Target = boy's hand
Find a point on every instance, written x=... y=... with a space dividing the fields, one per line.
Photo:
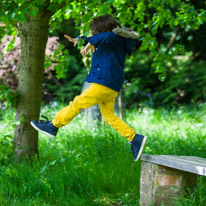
x=87 y=48
x=73 y=40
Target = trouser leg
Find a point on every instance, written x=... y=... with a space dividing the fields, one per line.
x=107 y=110
x=95 y=94
x=83 y=101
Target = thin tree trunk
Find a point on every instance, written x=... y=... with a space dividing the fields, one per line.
x=33 y=34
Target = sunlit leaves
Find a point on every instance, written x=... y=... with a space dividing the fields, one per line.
x=202 y=16
x=85 y=18
x=139 y=11
x=18 y=10
x=63 y=62
x=57 y=58
x=147 y=17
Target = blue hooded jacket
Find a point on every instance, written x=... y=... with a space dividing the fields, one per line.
x=108 y=59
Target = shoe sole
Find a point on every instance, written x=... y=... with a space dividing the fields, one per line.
x=141 y=148
x=42 y=131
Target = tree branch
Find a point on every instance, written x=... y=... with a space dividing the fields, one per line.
x=172 y=40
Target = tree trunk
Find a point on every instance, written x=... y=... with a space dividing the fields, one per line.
x=33 y=34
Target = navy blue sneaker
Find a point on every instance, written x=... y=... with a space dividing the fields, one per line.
x=45 y=126
x=137 y=147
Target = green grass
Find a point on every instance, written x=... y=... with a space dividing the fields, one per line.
x=93 y=165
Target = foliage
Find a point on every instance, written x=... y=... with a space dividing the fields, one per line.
x=144 y=88
x=156 y=21
x=73 y=73
x=179 y=86
x=147 y=17
x=57 y=60
x=8 y=97
x=9 y=59
x=85 y=166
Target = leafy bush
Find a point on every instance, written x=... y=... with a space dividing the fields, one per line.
x=8 y=97
x=184 y=83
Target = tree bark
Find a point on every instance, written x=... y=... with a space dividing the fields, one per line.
x=33 y=35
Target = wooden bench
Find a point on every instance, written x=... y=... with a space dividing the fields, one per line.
x=164 y=178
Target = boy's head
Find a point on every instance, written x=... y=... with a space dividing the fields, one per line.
x=105 y=23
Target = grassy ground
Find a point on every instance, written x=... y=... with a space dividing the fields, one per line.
x=89 y=166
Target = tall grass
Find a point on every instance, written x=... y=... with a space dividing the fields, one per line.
x=88 y=165
x=176 y=132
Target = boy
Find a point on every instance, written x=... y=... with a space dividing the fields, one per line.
x=110 y=44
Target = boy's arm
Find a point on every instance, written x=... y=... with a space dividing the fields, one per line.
x=87 y=48
x=73 y=40
x=94 y=40
x=97 y=39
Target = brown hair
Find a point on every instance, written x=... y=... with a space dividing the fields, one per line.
x=105 y=23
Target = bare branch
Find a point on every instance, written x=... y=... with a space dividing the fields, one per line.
x=172 y=40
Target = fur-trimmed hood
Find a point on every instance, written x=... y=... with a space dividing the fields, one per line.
x=126 y=33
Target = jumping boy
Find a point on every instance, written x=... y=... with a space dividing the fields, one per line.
x=110 y=44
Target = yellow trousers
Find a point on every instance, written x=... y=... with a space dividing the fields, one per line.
x=95 y=94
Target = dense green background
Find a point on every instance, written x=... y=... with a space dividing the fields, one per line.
x=165 y=95
x=167 y=68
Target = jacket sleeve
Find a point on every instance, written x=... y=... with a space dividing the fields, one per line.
x=130 y=44
x=84 y=39
x=94 y=40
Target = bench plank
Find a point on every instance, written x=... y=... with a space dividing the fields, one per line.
x=191 y=164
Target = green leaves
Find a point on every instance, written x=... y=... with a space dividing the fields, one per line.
x=18 y=10
x=139 y=12
x=6 y=148
x=148 y=17
x=148 y=42
x=59 y=60
x=85 y=18
x=63 y=62
x=8 y=97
